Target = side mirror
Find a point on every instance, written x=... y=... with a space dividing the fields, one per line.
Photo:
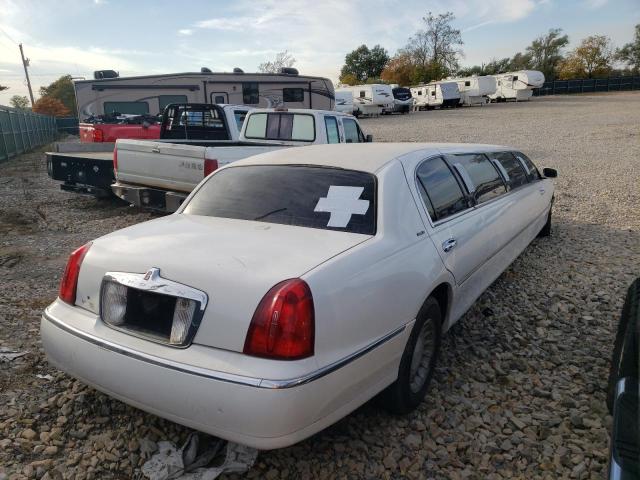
x=550 y=172
x=369 y=138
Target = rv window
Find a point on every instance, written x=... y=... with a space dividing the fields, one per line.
x=433 y=93
x=129 y=108
x=293 y=94
x=515 y=77
x=281 y=126
x=440 y=191
x=362 y=94
x=517 y=175
x=164 y=100
x=239 y=116
x=331 y=125
x=419 y=92
x=486 y=179
x=467 y=83
x=219 y=99
x=250 y=93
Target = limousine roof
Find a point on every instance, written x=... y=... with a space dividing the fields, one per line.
x=368 y=157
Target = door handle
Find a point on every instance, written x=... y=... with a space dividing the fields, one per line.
x=448 y=245
x=155 y=150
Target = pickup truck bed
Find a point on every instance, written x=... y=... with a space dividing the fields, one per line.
x=82 y=172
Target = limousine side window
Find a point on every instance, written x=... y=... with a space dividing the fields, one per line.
x=532 y=171
x=441 y=192
x=486 y=180
x=514 y=169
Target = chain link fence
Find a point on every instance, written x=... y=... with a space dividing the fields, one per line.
x=23 y=130
x=588 y=85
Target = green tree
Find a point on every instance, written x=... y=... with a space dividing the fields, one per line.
x=545 y=52
x=364 y=63
x=400 y=69
x=62 y=89
x=630 y=53
x=20 y=101
x=592 y=58
x=2 y=88
x=282 y=60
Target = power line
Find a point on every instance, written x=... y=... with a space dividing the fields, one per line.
x=8 y=36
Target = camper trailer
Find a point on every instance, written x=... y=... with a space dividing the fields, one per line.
x=372 y=99
x=475 y=90
x=402 y=99
x=436 y=94
x=517 y=85
x=344 y=101
x=109 y=93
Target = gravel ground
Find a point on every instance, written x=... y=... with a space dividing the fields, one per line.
x=519 y=392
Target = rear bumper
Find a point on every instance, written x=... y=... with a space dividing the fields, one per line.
x=155 y=198
x=263 y=414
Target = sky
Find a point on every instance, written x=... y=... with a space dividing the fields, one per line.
x=147 y=37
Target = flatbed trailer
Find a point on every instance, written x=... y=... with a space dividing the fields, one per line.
x=82 y=172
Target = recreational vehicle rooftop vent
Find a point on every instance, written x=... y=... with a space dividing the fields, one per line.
x=238 y=70
x=289 y=70
x=205 y=70
x=100 y=74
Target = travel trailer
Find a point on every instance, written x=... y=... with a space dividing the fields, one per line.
x=372 y=99
x=475 y=90
x=517 y=85
x=436 y=94
x=402 y=99
x=344 y=101
x=148 y=95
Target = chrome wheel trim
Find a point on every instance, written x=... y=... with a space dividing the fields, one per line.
x=422 y=356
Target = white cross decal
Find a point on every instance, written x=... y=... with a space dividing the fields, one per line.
x=341 y=203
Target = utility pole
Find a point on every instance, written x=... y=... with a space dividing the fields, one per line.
x=25 y=63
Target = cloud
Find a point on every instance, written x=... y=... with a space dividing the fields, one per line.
x=100 y=2
x=233 y=24
x=594 y=4
x=185 y=31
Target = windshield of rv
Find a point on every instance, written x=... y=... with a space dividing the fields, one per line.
x=401 y=93
x=299 y=195
x=299 y=127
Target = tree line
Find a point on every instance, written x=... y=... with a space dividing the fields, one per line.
x=434 y=53
x=57 y=99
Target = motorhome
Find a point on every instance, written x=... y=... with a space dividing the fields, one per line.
x=436 y=94
x=109 y=93
x=372 y=99
x=402 y=99
x=517 y=86
x=344 y=101
x=475 y=90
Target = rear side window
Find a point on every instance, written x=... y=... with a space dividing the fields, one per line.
x=304 y=196
x=513 y=169
x=486 y=180
x=440 y=190
x=352 y=133
x=239 y=116
x=250 y=93
x=293 y=95
x=532 y=171
x=164 y=100
x=331 y=125
x=128 y=108
x=281 y=126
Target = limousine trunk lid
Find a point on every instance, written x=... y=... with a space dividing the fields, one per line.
x=234 y=262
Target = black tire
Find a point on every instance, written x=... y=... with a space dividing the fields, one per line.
x=400 y=397
x=546 y=230
x=625 y=350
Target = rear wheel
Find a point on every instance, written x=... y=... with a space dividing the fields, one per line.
x=418 y=361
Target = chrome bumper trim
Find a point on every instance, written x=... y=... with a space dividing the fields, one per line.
x=215 y=374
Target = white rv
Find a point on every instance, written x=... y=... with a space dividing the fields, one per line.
x=344 y=101
x=517 y=85
x=436 y=94
x=372 y=99
x=108 y=93
x=475 y=90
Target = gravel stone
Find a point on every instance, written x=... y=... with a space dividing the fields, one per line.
x=519 y=391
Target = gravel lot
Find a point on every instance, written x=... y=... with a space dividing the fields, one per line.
x=519 y=392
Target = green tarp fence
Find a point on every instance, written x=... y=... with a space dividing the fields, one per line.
x=23 y=130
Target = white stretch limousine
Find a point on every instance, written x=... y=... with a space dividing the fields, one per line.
x=293 y=286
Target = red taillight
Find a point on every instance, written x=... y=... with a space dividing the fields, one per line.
x=69 y=282
x=283 y=325
x=210 y=165
x=115 y=158
x=98 y=135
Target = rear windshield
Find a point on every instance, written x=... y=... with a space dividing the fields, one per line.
x=281 y=126
x=304 y=196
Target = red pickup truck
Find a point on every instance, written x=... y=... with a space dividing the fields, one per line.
x=110 y=132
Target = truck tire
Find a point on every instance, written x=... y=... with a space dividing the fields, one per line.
x=418 y=361
x=624 y=361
